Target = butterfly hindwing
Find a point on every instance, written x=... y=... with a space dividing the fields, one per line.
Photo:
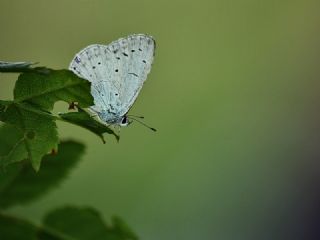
x=95 y=63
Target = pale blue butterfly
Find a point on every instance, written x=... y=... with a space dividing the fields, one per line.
x=117 y=72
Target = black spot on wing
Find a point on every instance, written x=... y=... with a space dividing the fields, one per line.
x=134 y=74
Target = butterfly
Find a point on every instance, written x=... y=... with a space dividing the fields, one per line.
x=117 y=72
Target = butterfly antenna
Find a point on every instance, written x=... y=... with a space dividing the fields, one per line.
x=141 y=117
x=142 y=123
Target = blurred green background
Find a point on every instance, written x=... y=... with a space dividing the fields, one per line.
x=234 y=94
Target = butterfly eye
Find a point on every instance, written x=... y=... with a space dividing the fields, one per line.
x=124 y=120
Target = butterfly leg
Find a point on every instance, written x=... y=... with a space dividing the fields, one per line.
x=73 y=106
x=117 y=129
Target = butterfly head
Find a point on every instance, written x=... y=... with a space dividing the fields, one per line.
x=124 y=121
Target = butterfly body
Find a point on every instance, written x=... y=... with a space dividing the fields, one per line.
x=117 y=73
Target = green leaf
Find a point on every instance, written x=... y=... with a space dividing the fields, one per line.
x=67 y=223
x=122 y=229
x=35 y=132
x=43 y=89
x=16 y=229
x=19 y=184
x=12 y=146
x=12 y=228
x=83 y=119
x=84 y=224
x=15 y=66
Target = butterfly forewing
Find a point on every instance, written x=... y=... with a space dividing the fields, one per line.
x=116 y=71
x=141 y=51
